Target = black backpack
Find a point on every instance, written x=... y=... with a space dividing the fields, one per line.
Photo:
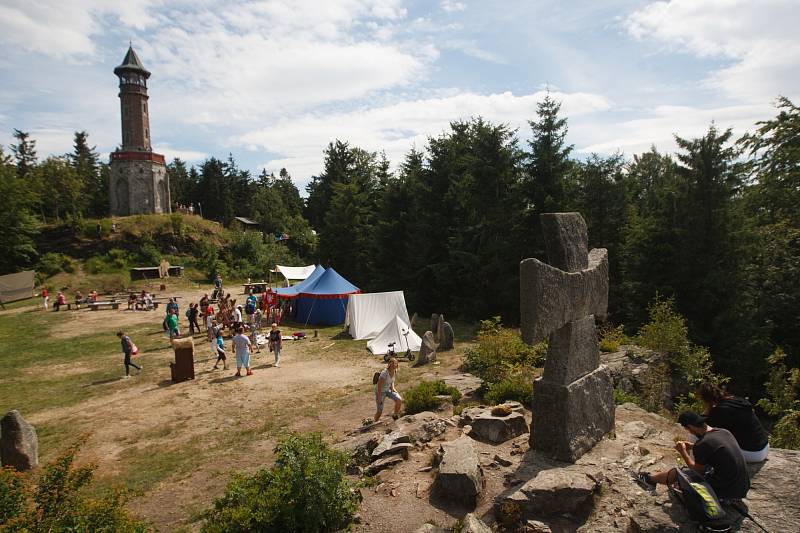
x=376 y=377
x=701 y=502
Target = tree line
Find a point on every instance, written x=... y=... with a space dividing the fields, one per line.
x=716 y=226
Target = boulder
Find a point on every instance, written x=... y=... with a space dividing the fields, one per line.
x=552 y=492
x=446 y=337
x=422 y=427
x=427 y=352
x=19 y=445
x=568 y=420
x=460 y=477
x=467 y=384
x=473 y=524
x=392 y=444
x=488 y=427
x=572 y=352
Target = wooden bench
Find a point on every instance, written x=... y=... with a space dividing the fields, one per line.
x=97 y=305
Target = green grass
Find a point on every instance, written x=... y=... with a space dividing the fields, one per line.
x=28 y=353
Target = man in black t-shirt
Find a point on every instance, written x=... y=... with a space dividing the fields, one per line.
x=716 y=456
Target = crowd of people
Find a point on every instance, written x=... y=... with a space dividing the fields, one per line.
x=61 y=299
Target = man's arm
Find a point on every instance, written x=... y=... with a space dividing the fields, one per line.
x=688 y=459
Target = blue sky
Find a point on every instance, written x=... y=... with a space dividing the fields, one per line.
x=272 y=82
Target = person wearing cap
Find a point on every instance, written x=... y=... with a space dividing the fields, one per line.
x=237 y=318
x=716 y=456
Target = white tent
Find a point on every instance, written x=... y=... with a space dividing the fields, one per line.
x=398 y=332
x=367 y=314
x=295 y=273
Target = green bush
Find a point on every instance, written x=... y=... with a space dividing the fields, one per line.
x=305 y=491
x=517 y=386
x=115 y=260
x=620 y=397
x=666 y=331
x=783 y=402
x=58 y=501
x=52 y=263
x=423 y=397
x=612 y=338
x=499 y=351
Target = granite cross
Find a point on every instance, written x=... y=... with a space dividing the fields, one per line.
x=573 y=405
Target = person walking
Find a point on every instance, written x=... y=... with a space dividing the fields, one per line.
x=220 y=348
x=385 y=389
x=237 y=318
x=275 y=344
x=45 y=298
x=129 y=349
x=172 y=325
x=212 y=338
x=255 y=326
x=191 y=314
x=242 y=347
x=217 y=294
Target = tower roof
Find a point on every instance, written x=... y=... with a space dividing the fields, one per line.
x=131 y=62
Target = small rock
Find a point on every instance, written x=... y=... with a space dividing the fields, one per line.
x=534 y=526
x=393 y=493
x=496 y=429
x=430 y=528
x=384 y=463
x=425 y=469
x=473 y=524
x=357 y=518
x=391 y=444
x=503 y=462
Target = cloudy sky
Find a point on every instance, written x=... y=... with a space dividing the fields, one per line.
x=272 y=82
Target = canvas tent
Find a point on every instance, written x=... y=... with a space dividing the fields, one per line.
x=17 y=286
x=295 y=273
x=367 y=314
x=398 y=332
x=292 y=292
x=324 y=301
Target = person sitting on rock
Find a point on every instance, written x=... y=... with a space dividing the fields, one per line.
x=385 y=389
x=724 y=410
x=716 y=456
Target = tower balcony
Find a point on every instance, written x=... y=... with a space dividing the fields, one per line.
x=131 y=155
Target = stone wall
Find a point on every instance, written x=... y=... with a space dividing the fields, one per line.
x=138 y=187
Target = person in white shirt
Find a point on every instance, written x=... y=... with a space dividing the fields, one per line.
x=242 y=347
x=385 y=389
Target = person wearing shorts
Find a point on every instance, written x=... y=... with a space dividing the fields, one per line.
x=220 y=348
x=242 y=347
x=275 y=344
x=385 y=389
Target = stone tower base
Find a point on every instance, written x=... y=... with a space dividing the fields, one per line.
x=138 y=184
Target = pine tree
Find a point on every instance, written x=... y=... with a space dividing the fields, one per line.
x=84 y=160
x=24 y=153
x=17 y=246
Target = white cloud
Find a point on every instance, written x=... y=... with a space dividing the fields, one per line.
x=64 y=30
x=659 y=125
x=452 y=6
x=472 y=49
x=395 y=128
x=759 y=39
x=191 y=156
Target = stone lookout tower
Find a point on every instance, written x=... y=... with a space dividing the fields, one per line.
x=138 y=182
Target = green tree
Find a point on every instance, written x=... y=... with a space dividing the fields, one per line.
x=65 y=188
x=86 y=163
x=17 y=247
x=24 y=153
x=548 y=161
x=338 y=166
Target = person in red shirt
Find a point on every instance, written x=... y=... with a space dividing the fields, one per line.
x=60 y=300
x=45 y=298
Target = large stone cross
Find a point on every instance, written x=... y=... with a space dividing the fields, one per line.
x=573 y=401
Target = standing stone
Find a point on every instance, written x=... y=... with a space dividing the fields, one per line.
x=427 y=352
x=573 y=404
x=435 y=326
x=447 y=337
x=19 y=445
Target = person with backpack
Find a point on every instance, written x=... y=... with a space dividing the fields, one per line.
x=715 y=457
x=384 y=388
x=129 y=349
x=724 y=410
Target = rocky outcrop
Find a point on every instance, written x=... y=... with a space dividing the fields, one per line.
x=473 y=524
x=422 y=427
x=393 y=444
x=19 y=445
x=495 y=425
x=460 y=477
x=557 y=491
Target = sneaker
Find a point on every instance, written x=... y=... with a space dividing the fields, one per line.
x=126 y=376
x=276 y=365
x=395 y=417
x=249 y=372
x=645 y=481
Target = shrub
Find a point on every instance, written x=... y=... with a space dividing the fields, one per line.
x=57 y=501
x=666 y=331
x=499 y=351
x=306 y=490
x=423 y=397
x=52 y=263
x=612 y=338
x=114 y=260
x=782 y=402
x=620 y=397
x=517 y=386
